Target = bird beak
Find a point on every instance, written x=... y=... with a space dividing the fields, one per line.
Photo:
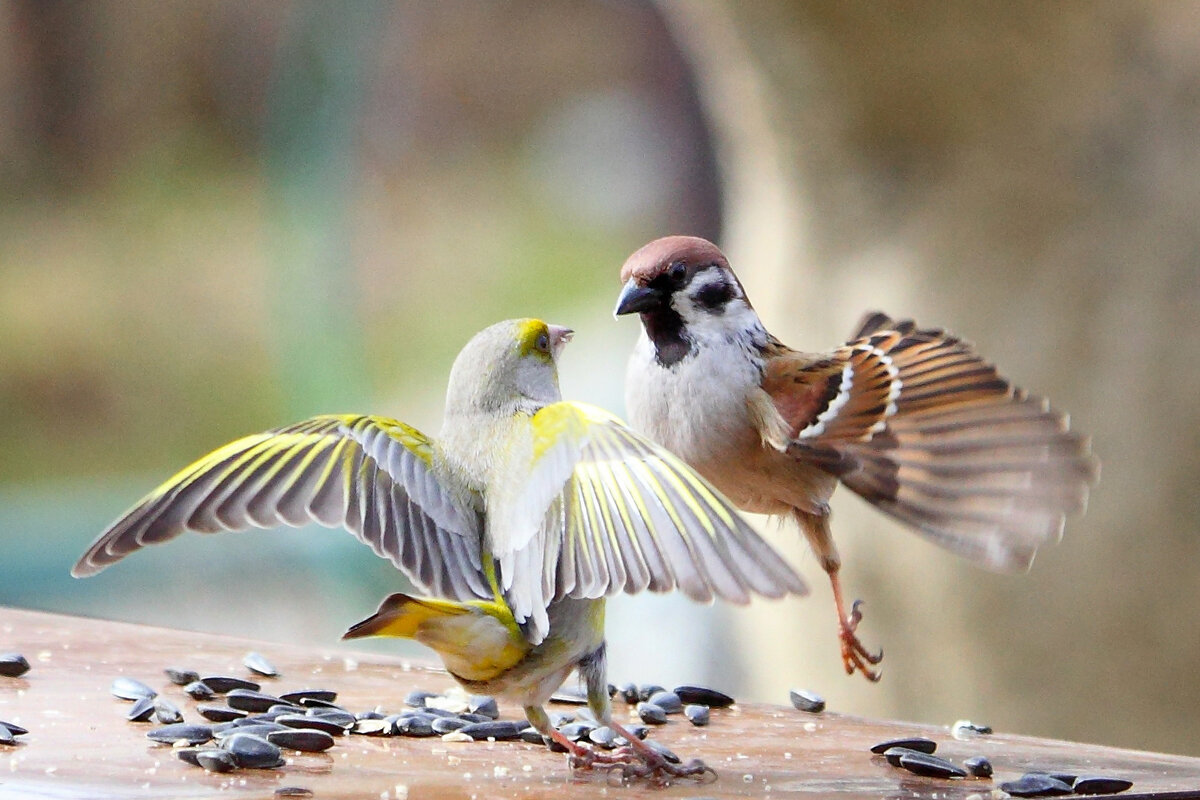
x=635 y=298
x=559 y=336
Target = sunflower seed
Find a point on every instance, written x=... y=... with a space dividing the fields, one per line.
x=603 y=736
x=253 y=751
x=662 y=751
x=1035 y=784
x=188 y=754
x=570 y=697
x=930 y=766
x=141 y=710
x=696 y=714
x=166 y=712
x=629 y=693
x=978 y=767
x=338 y=717
x=181 y=732
x=701 y=696
x=130 y=689
x=316 y=702
x=180 y=676
x=300 y=695
x=13 y=665
x=416 y=725
x=293 y=791
x=250 y=700
x=1100 y=784
x=667 y=701
x=308 y=740
x=574 y=731
x=467 y=716
x=447 y=724
x=651 y=714
x=219 y=713
x=500 y=730
x=483 y=704
x=257 y=663
x=302 y=721
x=6 y=736
x=804 y=700
x=199 y=690
x=648 y=690
x=965 y=727
x=892 y=754
x=640 y=731
x=214 y=760
x=13 y=728
x=224 y=683
x=256 y=728
x=416 y=698
x=912 y=743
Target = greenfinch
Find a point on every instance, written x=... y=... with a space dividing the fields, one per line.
x=519 y=519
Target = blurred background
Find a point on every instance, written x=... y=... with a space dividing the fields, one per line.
x=217 y=218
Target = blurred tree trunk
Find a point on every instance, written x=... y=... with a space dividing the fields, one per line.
x=1027 y=176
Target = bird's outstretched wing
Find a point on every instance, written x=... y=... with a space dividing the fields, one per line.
x=605 y=510
x=372 y=475
x=918 y=424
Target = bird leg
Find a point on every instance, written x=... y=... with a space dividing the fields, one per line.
x=855 y=655
x=654 y=766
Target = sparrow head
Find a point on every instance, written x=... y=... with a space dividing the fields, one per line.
x=684 y=290
x=511 y=367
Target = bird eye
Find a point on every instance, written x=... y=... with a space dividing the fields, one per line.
x=677 y=271
x=543 y=342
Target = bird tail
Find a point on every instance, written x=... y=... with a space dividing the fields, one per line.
x=931 y=434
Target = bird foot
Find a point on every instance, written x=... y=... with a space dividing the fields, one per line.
x=660 y=772
x=855 y=655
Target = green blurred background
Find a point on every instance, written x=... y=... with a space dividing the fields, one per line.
x=216 y=218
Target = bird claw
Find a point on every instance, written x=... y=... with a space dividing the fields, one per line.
x=855 y=655
x=660 y=772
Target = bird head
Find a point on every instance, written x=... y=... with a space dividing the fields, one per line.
x=684 y=290
x=509 y=367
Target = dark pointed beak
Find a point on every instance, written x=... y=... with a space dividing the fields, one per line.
x=636 y=299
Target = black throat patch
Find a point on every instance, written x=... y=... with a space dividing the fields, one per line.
x=665 y=329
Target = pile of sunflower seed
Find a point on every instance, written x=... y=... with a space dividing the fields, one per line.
x=915 y=754
x=252 y=728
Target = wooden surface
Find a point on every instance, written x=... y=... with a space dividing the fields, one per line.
x=80 y=745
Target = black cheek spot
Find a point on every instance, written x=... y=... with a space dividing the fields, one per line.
x=714 y=297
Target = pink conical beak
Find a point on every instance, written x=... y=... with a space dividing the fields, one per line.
x=559 y=336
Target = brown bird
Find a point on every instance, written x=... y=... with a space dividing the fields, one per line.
x=911 y=419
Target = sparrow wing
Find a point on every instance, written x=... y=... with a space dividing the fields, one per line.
x=918 y=424
x=611 y=511
x=372 y=475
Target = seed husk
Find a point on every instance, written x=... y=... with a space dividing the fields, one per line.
x=416 y=725
x=1035 y=784
x=373 y=727
x=978 y=767
x=127 y=688
x=651 y=714
x=300 y=695
x=257 y=663
x=6 y=736
x=892 y=754
x=703 y=696
x=965 y=726
x=530 y=734
x=629 y=693
x=293 y=791
x=500 y=730
x=315 y=702
x=1100 y=784
x=219 y=713
x=199 y=690
x=253 y=751
x=13 y=665
x=141 y=710
x=921 y=745
x=698 y=715
x=804 y=700
x=343 y=718
x=416 y=698
x=181 y=732
x=603 y=736
x=166 y=712
x=663 y=751
x=570 y=697
x=214 y=760
x=667 y=701
x=180 y=676
x=256 y=728
x=308 y=740
x=574 y=731
x=225 y=683
x=930 y=766
x=448 y=724
x=648 y=690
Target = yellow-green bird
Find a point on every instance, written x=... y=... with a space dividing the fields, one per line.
x=519 y=518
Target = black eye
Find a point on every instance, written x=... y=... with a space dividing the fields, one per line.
x=543 y=342
x=677 y=271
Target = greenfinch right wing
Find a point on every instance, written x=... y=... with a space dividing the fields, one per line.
x=372 y=475
x=605 y=510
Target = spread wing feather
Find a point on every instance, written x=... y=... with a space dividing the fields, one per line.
x=371 y=475
x=617 y=513
x=918 y=424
